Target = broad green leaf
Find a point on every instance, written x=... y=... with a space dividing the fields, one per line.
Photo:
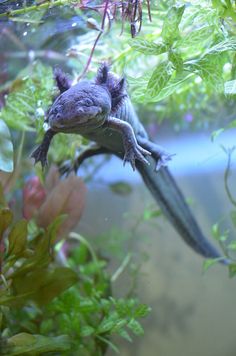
x=15 y=301
x=27 y=344
x=31 y=282
x=159 y=79
x=18 y=238
x=54 y=227
x=171 y=87
x=6 y=217
x=6 y=148
x=210 y=69
x=2 y=197
x=55 y=282
x=196 y=37
x=148 y=47
x=230 y=87
x=176 y=59
x=170 y=28
x=41 y=285
x=223 y=46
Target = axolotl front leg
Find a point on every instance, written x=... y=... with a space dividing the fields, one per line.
x=133 y=151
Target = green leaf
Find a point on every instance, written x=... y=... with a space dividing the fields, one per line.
x=230 y=87
x=39 y=285
x=196 y=37
x=87 y=306
x=3 y=202
x=6 y=148
x=170 y=28
x=217 y=234
x=223 y=46
x=121 y=188
x=55 y=283
x=106 y=325
x=120 y=324
x=215 y=231
x=215 y=134
x=232 y=270
x=176 y=59
x=52 y=229
x=142 y=310
x=148 y=47
x=159 y=79
x=232 y=246
x=136 y=327
x=232 y=124
x=124 y=334
x=210 y=69
x=150 y=214
x=87 y=331
x=15 y=301
x=6 y=218
x=210 y=262
x=18 y=238
x=28 y=344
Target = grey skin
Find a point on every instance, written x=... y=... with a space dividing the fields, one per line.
x=101 y=111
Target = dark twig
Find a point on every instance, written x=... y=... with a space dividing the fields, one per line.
x=96 y=41
x=229 y=153
x=149 y=10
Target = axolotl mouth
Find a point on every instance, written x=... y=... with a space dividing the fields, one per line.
x=82 y=116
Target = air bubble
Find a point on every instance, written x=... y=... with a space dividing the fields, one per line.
x=198 y=80
x=39 y=112
x=45 y=126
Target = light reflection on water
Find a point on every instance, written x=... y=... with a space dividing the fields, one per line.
x=192 y=313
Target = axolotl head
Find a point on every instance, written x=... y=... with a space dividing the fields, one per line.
x=82 y=107
x=86 y=105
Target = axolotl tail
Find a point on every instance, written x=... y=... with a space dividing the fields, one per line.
x=172 y=202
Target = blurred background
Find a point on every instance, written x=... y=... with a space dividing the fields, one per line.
x=192 y=311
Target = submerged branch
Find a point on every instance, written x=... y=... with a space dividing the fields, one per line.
x=229 y=153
